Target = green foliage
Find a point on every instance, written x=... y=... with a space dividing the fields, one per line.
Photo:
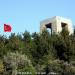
x=16 y=62
x=65 y=33
x=38 y=52
x=1 y=67
x=60 y=67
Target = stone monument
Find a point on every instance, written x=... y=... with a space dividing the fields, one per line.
x=56 y=24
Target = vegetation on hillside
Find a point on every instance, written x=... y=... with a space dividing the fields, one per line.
x=37 y=53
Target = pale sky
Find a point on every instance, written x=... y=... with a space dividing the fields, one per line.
x=27 y=14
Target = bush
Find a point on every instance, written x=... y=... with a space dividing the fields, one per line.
x=1 y=67
x=60 y=67
x=16 y=62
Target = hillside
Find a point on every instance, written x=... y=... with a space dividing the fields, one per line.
x=29 y=54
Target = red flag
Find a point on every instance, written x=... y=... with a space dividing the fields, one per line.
x=7 y=28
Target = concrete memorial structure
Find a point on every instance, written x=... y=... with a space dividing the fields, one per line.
x=56 y=24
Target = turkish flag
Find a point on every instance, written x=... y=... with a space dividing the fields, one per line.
x=7 y=28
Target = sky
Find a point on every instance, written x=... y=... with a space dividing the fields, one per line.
x=25 y=15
